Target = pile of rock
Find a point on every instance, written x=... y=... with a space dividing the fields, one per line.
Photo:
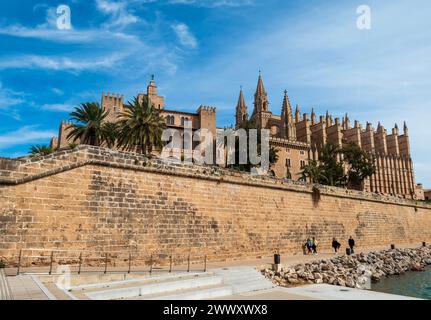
x=350 y=271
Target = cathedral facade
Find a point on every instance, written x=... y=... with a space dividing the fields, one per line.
x=300 y=138
x=297 y=137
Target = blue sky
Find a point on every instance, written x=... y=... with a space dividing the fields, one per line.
x=202 y=51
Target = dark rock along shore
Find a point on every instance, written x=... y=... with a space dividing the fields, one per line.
x=352 y=271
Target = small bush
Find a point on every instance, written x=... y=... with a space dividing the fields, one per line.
x=2 y=264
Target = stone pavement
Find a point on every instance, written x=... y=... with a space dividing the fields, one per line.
x=24 y=287
x=5 y=292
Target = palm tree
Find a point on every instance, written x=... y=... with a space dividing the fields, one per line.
x=41 y=150
x=313 y=172
x=109 y=134
x=88 y=124
x=141 y=126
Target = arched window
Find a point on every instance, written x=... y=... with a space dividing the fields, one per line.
x=170 y=120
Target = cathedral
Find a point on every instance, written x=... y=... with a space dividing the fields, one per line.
x=298 y=138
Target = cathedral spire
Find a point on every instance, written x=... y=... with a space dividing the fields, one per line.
x=297 y=114
x=406 y=129
x=346 y=122
x=286 y=109
x=313 y=117
x=288 y=127
x=260 y=90
x=241 y=109
x=261 y=103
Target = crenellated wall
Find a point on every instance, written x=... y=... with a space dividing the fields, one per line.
x=98 y=199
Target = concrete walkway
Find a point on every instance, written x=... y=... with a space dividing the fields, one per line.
x=24 y=287
x=5 y=292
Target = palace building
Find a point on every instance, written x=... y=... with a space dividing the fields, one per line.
x=298 y=137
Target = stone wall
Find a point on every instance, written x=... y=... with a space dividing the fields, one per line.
x=102 y=200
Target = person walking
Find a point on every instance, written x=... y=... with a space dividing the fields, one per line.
x=304 y=248
x=309 y=245
x=315 y=243
x=336 y=245
x=351 y=245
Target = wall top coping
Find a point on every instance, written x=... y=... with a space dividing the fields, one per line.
x=26 y=169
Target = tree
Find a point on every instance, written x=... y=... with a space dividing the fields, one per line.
x=361 y=165
x=314 y=173
x=141 y=126
x=88 y=124
x=331 y=168
x=41 y=150
x=109 y=134
x=248 y=125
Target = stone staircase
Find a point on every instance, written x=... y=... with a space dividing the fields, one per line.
x=198 y=286
x=244 y=279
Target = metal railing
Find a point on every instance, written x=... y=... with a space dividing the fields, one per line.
x=81 y=261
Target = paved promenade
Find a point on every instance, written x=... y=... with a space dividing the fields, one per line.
x=27 y=286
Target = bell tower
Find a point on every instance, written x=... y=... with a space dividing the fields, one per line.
x=261 y=113
x=241 y=110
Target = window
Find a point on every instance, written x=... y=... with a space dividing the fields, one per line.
x=302 y=152
x=302 y=163
x=288 y=163
x=170 y=120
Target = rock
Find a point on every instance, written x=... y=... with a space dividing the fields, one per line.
x=317 y=276
x=310 y=276
x=331 y=280
x=325 y=267
x=349 y=271
x=341 y=282
x=416 y=267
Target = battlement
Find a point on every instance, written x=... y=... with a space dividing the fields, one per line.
x=112 y=100
x=207 y=109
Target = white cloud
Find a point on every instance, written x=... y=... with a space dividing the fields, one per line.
x=214 y=3
x=58 y=107
x=25 y=135
x=59 y=63
x=57 y=91
x=118 y=11
x=9 y=98
x=45 y=32
x=184 y=35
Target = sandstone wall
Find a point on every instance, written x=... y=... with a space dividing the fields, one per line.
x=101 y=200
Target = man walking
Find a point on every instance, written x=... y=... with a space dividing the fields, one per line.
x=336 y=245
x=351 y=244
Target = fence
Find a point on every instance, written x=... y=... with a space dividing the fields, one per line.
x=80 y=261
